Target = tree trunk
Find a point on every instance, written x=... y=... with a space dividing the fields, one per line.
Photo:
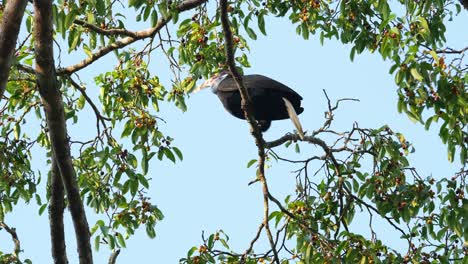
x=55 y=116
x=9 y=30
x=56 y=208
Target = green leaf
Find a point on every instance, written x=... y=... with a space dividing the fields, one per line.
x=143 y=181
x=352 y=53
x=111 y=242
x=434 y=55
x=81 y=102
x=97 y=240
x=133 y=186
x=251 y=162
x=147 y=12
x=121 y=240
x=168 y=153
x=211 y=241
x=305 y=31
x=450 y=151
x=225 y=244
x=38 y=199
x=261 y=24
x=243 y=60
x=307 y=258
x=154 y=18
x=87 y=50
x=17 y=131
x=128 y=128
x=70 y=18
x=131 y=159
x=251 y=33
x=178 y=153
x=144 y=160
x=90 y=17
x=191 y=251
x=424 y=27
x=150 y=231
x=416 y=75
x=41 y=209
x=100 y=7
x=29 y=23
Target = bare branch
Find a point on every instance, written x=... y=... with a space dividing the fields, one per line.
x=310 y=139
x=88 y=99
x=99 y=117
x=369 y=206
x=452 y=51
x=252 y=243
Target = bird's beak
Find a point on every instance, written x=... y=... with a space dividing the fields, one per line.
x=205 y=84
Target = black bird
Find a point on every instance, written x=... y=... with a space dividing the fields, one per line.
x=271 y=99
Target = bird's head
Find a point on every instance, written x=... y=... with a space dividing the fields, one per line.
x=212 y=82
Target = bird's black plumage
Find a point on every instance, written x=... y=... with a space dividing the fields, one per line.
x=266 y=95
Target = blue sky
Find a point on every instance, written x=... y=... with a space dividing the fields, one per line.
x=208 y=190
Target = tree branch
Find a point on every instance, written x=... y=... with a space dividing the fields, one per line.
x=88 y=99
x=369 y=206
x=113 y=256
x=452 y=51
x=254 y=128
x=9 y=30
x=137 y=35
x=310 y=139
x=252 y=243
x=55 y=117
x=106 y=32
x=14 y=237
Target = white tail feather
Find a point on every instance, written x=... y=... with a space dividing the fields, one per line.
x=294 y=118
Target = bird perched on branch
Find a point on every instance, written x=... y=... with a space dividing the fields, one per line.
x=271 y=100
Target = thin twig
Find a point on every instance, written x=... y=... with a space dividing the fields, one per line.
x=248 y=250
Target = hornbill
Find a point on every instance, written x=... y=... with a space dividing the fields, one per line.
x=271 y=99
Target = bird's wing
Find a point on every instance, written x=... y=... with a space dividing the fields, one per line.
x=258 y=82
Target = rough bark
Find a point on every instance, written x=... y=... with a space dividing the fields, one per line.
x=56 y=209
x=55 y=116
x=9 y=30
